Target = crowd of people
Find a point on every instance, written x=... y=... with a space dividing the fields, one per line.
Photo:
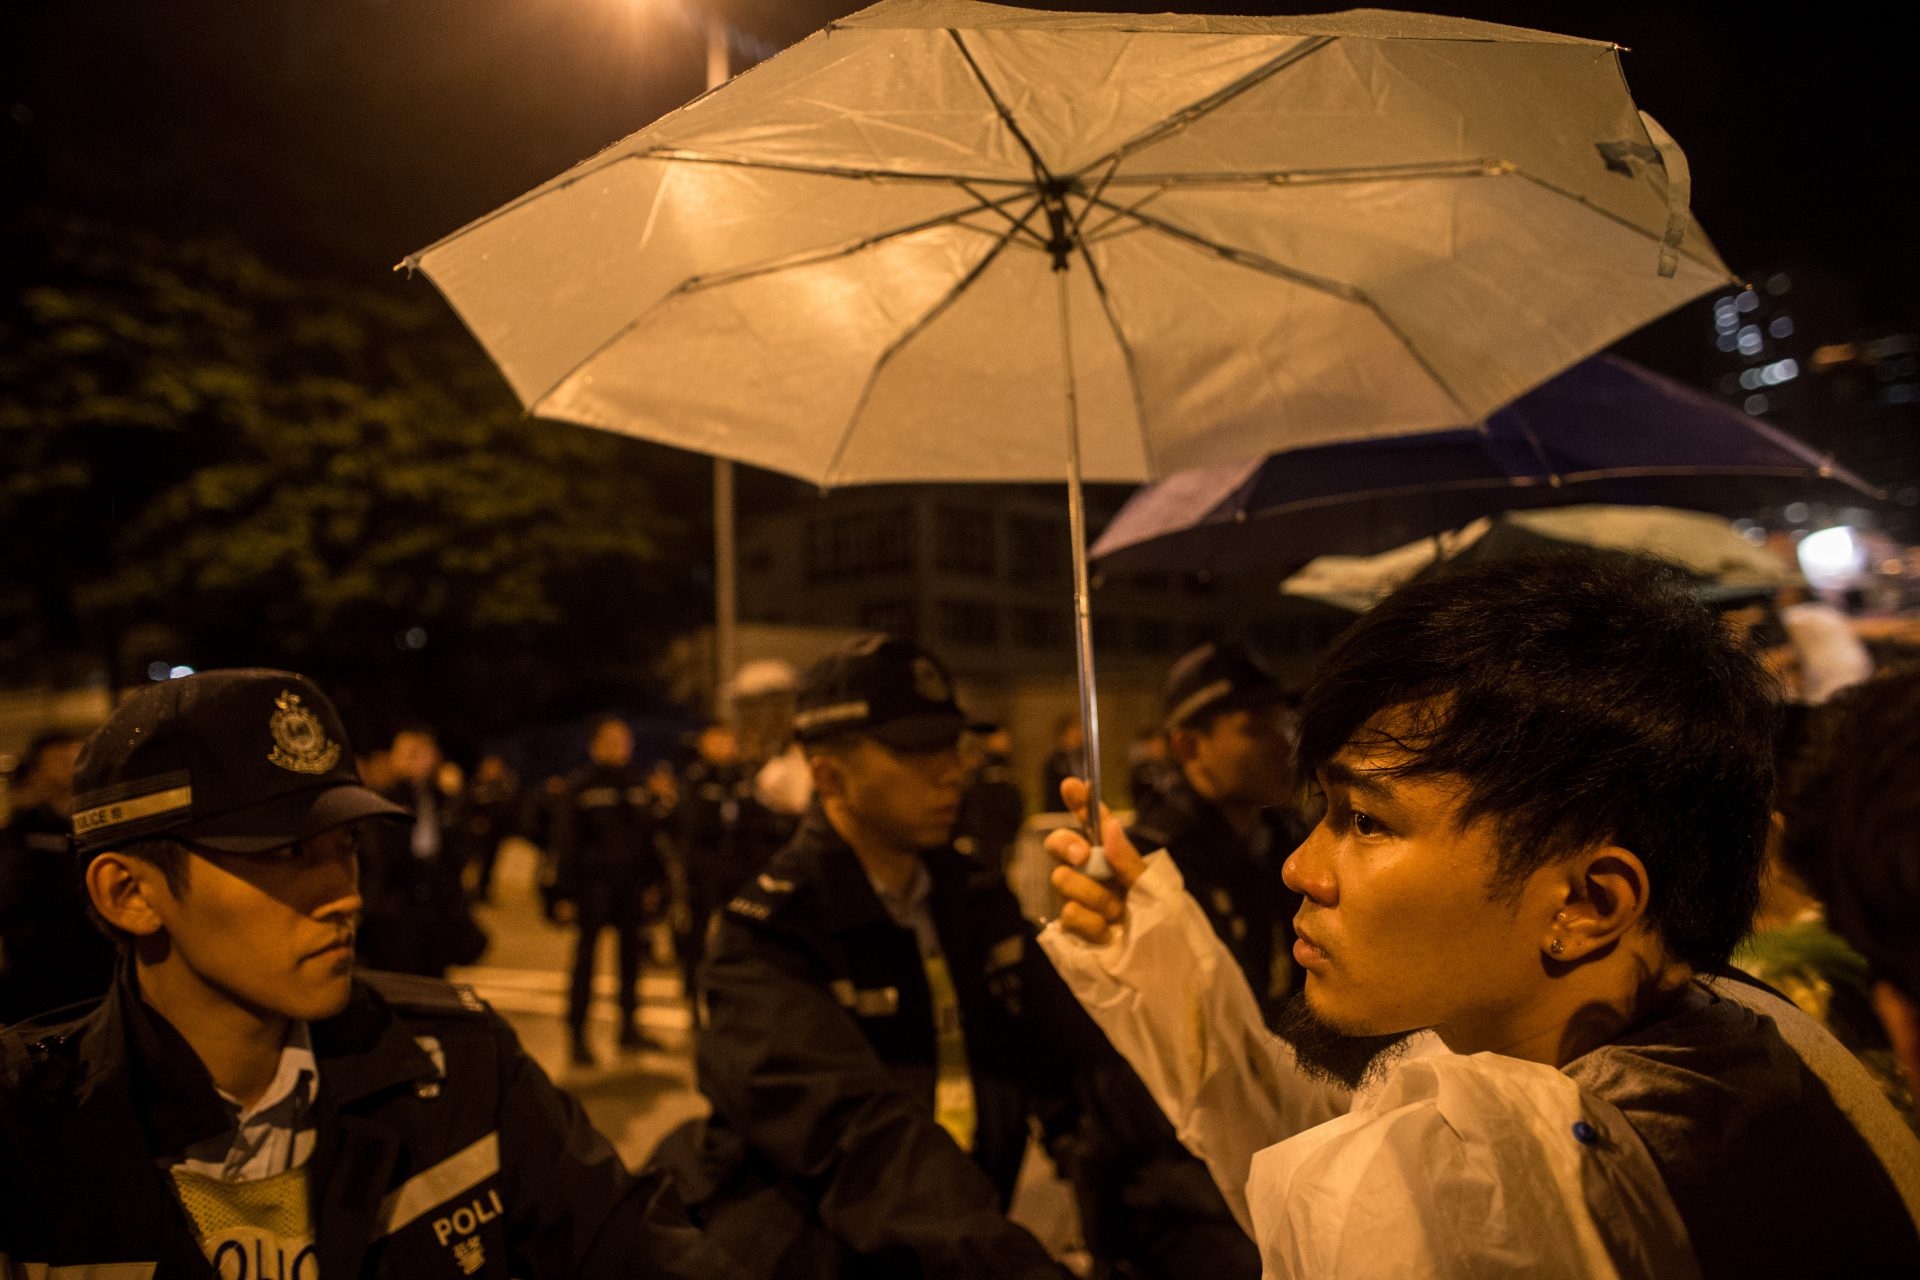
x=1537 y=935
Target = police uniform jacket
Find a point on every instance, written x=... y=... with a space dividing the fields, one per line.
x=607 y=835
x=724 y=832
x=820 y=1062
x=442 y=1150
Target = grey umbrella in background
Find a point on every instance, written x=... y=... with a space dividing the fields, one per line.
x=1605 y=431
x=949 y=241
x=1722 y=562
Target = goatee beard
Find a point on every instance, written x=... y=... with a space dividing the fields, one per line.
x=1328 y=1054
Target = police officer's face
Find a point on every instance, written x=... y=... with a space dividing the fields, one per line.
x=717 y=746
x=910 y=798
x=272 y=932
x=612 y=745
x=1246 y=755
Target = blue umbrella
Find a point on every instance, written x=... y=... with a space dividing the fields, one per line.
x=1606 y=431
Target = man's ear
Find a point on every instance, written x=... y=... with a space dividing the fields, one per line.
x=123 y=890
x=1183 y=744
x=1603 y=895
x=829 y=775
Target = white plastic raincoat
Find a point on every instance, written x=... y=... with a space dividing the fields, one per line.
x=1452 y=1166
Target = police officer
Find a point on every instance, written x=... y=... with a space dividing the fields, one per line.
x=609 y=874
x=881 y=1025
x=1224 y=814
x=991 y=807
x=241 y=1103
x=723 y=834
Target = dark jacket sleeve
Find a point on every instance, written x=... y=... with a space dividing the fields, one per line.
x=789 y=1070
x=579 y=1213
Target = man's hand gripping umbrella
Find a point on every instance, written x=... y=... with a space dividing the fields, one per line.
x=1096 y=895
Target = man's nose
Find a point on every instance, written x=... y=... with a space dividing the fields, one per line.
x=337 y=887
x=1308 y=870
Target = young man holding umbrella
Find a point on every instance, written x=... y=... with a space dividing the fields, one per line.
x=242 y=1099
x=1547 y=786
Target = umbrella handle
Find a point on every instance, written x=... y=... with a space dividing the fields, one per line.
x=1096 y=864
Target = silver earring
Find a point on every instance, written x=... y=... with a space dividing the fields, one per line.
x=1555 y=947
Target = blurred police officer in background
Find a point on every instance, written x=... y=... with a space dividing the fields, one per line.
x=417 y=917
x=991 y=807
x=489 y=812
x=240 y=1099
x=609 y=874
x=50 y=953
x=1225 y=813
x=880 y=1025
x=723 y=834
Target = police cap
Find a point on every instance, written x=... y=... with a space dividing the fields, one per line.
x=239 y=761
x=1217 y=676
x=884 y=688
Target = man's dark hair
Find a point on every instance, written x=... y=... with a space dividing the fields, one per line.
x=1583 y=698
x=1852 y=810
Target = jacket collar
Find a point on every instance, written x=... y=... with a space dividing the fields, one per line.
x=1177 y=809
x=847 y=899
x=364 y=1050
x=130 y=1054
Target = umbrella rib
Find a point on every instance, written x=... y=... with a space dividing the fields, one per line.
x=1041 y=173
x=1333 y=288
x=1116 y=214
x=1658 y=237
x=1019 y=224
x=1086 y=207
x=1218 y=98
x=694 y=284
x=674 y=155
x=821 y=170
x=913 y=331
x=1483 y=167
x=1127 y=354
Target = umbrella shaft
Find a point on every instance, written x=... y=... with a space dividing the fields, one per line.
x=1096 y=864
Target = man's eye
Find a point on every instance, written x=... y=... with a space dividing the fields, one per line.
x=1365 y=824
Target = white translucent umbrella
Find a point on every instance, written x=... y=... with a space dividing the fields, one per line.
x=1706 y=546
x=949 y=241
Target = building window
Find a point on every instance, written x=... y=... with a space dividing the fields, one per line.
x=1038 y=546
x=854 y=545
x=963 y=541
x=975 y=623
x=893 y=616
x=1040 y=628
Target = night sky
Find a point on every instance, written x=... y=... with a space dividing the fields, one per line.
x=334 y=136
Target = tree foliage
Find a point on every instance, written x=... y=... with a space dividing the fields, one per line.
x=194 y=446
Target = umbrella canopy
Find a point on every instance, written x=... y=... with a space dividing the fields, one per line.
x=1606 y=431
x=1708 y=547
x=943 y=240
x=842 y=264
